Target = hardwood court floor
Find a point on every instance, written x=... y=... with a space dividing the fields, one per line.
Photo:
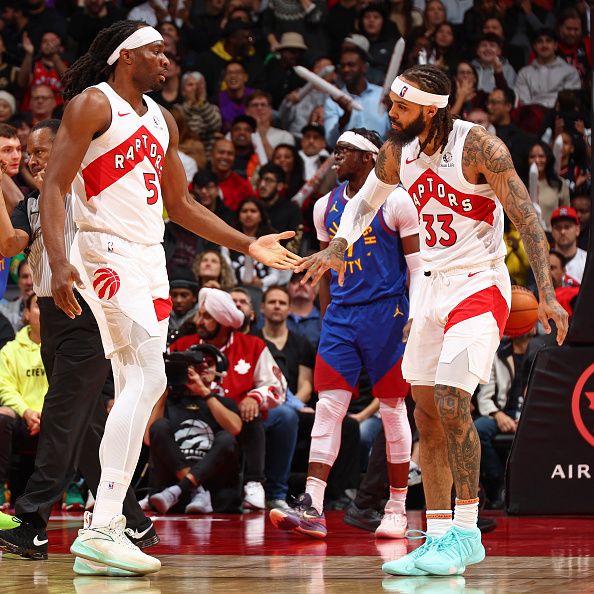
x=245 y=554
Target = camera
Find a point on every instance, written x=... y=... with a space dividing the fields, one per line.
x=177 y=364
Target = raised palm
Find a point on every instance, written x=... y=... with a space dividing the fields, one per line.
x=268 y=250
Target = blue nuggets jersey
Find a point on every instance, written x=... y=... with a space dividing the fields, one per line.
x=375 y=264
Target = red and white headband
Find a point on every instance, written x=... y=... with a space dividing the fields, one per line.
x=415 y=95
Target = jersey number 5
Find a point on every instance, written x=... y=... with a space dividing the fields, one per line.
x=151 y=186
x=447 y=237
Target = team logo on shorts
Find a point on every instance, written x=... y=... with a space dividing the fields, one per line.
x=106 y=283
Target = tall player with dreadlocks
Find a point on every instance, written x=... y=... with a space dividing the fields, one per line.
x=118 y=151
x=459 y=177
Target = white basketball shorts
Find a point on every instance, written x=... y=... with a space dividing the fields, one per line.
x=457 y=310
x=124 y=282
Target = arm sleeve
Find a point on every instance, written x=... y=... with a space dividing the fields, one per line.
x=362 y=208
x=319 y=211
x=270 y=384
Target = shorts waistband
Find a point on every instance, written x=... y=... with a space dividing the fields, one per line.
x=495 y=263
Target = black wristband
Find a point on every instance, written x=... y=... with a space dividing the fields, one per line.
x=211 y=395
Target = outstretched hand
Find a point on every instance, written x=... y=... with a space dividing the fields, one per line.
x=268 y=250
x=63 y=277
x=550 y=309
x=330 y=258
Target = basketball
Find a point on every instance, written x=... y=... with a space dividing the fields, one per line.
x=523 y=314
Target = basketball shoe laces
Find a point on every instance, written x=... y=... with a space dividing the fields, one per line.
x=429 y=543
x=451 y=544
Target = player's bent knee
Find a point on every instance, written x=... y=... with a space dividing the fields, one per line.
x=329 y=415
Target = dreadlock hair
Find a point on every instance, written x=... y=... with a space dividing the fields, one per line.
x=92 y=68
x=432 y=79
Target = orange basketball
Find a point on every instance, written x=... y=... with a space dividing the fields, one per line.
x=524 y=312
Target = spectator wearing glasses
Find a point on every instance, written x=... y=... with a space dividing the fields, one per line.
x=42 y=103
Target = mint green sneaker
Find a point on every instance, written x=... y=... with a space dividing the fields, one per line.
x=86 y=567
x=73 y=500
x=8 y=522
x=456 y=549
x=109 y=545
x=407 y=565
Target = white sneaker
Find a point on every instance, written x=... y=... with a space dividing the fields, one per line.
x=393 y=524
x=201 y=503
x=144 y=504
x=164 y=500
x=90 y=504
x=254 y=496
x=109 y=545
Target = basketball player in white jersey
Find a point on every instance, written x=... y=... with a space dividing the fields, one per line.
x=118 y=150
x=459 y=177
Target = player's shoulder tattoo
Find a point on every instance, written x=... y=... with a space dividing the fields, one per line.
x=486 y=151
x=387 y=165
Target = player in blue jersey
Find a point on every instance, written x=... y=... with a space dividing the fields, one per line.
x=365 y=324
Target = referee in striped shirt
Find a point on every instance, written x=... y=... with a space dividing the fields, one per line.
x=73 y=415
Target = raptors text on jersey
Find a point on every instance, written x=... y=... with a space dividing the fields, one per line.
x=461 y=224
x=118 y=185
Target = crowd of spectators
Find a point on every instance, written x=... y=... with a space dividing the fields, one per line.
x=255 y=143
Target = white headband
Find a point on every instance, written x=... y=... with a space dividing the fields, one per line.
x=359 y=141
x=414 y=95
x=140 y=37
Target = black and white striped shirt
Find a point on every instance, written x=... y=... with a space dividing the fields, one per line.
x=26 y=217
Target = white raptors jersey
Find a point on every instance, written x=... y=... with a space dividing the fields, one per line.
x=118 y=184
x=461 y=224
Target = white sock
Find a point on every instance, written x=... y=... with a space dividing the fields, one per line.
x=316 y=487
x=397 y=502
x=466 y=513
x=110 y=496
x=439 y=521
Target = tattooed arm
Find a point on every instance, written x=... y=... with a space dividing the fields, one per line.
x=357 y=215
x=487 y=155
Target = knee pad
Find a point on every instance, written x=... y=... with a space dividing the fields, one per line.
x=397 y=430
x=457 y=373
x=325 y=435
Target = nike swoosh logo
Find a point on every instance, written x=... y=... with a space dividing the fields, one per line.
x=470 y=274
x=123 y=114
x=136 y=534
x=409 y=161
x=39 y=543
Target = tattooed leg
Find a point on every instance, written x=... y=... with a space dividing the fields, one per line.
x=464 y=448
x=437 y=478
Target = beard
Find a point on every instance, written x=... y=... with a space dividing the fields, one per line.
x=408 y=134
x=205 y=334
